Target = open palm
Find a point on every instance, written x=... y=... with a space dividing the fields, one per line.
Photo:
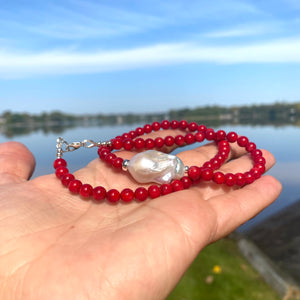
x=54 y=245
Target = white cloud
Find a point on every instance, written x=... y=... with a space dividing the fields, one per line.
x=67 y=62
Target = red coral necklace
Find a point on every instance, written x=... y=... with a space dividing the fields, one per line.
x=166 y=172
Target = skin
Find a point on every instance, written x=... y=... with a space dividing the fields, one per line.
x=55 y=245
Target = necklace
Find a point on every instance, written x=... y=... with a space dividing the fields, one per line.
x=166 y=172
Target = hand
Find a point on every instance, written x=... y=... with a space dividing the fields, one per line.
x=55 y=245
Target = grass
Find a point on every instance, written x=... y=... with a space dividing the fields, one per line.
x=220 y=272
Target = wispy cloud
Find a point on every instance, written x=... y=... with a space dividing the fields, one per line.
x=64 y=62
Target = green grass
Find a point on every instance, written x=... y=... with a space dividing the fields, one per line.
x=236 y=281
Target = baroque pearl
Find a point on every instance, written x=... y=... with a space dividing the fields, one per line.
x=155 y=166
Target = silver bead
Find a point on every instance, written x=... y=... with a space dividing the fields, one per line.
x=125 y=164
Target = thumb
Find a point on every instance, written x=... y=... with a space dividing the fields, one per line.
x=16 y=163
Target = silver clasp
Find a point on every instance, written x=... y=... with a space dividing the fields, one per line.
x=63 y=146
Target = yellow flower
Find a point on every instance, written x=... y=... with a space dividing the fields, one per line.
x=217 y=269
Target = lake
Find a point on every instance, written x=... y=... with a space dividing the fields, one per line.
x=283 y=142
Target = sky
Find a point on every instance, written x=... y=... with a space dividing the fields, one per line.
x=87 y=56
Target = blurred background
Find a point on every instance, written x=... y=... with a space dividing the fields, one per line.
x=95 y=69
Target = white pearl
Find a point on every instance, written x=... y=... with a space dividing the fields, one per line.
x=155 y=166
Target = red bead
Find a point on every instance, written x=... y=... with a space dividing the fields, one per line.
x=207 y=174
x=219 y=178
x=230 y=179
x=133 y=134
x=260 y=160
x=174 y=124
x=165 y=124
x=141 y=194
x=117 y=143
x=127 y=195
x=256 y=153
x=177 y=185
x=110 y=157
x=261 y=167
x=242 y=141
x=189 y=138
x=159 y=142
x=215 y=163
x=232 y=137
x=179 y=140
x=86 y=190
x=61 y=171
x=67 y=178
x=128 y=144
x=208 y=164
x=256 y=172
x=186 y=181
x=125 y=136
x=183 y=124
x=166 y=188
x=113 y=196
x=99 y=193
x=155 y=126
x=249 y=177
x=102 y=148
x=202 y=128
x=103 y=153
x=250 y=147
x=210 y=134
x=194 y=173
x=193 y=126
x=117 y=163
x=149 y=143
x=147 y=128
x=169 y=140
x=220 y=135
x=240 y=179
x=139 y=131
x=60 y=162
x=139 y=143
x=74 y=186
x=154 y=191
x=199 y=136
x=223 y=144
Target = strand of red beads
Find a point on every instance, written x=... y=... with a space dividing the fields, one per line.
x=193 y=133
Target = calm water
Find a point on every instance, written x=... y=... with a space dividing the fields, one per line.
x=283 y=142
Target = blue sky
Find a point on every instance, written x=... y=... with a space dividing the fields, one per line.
x=137 y=56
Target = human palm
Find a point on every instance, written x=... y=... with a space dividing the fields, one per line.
x=54 y=245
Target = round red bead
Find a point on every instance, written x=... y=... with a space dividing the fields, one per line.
x=179 y=140
x=210 y=134
x=240 y=179
x=61 y=171
x=149 y=143
x=249 y=177
x=117 y=163
x=194 y=173
x=110 y=157
x=202 y=128
x=207 y=174
x=86 y=190
x=189 y=138
x=154 y=191
x=232 y=137
x=155 y=126
x=147 y=128
x=169 y=140
x=242 y=141
x=139 y=131
x=166 y=188
x=117 y=143
x=186 y=181
x=165 y=124
x=128 y=144
x=141 y=194
x=177 y=185
x=139 y=143
x=193 y=126
x=230 y=179
x=219 y=178
x=199 y=136
x=67 y=178
x=174 y=124
x=113 y=195
x=60 y=162
x=250 y=147
x=127 y=195
x=183 y=124
x=220 y=135
x=159 y=142
x=99 y=193
x=74 y=186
